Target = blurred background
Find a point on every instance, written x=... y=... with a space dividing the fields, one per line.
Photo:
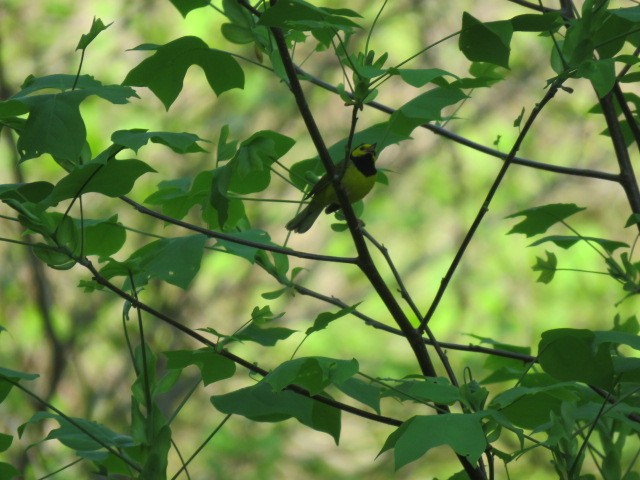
x=75 y=340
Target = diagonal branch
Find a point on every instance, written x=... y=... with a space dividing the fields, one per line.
x=627 y=175
x=230 y=238
x=553 y=89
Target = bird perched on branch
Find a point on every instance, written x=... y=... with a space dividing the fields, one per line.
x=358 y=180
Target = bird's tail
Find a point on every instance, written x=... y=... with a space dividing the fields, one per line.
x=305 y=219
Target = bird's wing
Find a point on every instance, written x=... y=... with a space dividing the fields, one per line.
x=323 y=183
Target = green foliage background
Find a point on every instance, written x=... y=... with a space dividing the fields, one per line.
x=435 y=188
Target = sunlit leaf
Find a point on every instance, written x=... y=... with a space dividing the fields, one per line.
x=96 y=27
x=165 y=70
x=539 y=219
x=419 y=434
x=567 y=241
x=325 y=318
x=261 y=404
x=213 y=366
x=178 y=142
x=575 y=355
x=546 y=267
x=186 y=6
x=312 y=373
x=267 y=337
x=113 y=179
x=486 y=42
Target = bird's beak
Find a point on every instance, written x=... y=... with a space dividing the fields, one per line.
x=372 y=148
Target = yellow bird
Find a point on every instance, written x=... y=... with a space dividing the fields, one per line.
x=358 y=180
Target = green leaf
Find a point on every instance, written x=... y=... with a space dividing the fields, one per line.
x=568 y=241
x=438 y=390
x=33 y=192
x=264 y=336
x=323 y=320
x=312 y=373
x=263 y=315
x=575 y=355
x=531 y=22
x=251 y=164
x=178 y=142
x=174 y=196
x=8 y=471
x=102 y=237
x=423 y=109
x=236 y=13
x=12 y=108
x=5 y=441
x=486 y=42
x=529 y=407
x=237 y=33
x=113 y=179
x=539 y=219
x=186 y=6
x=213 y=366
x=630 y=325
x=226 y=150
x=273 y=295
x=547 y=268
x=303 y=16
x=165 y=70
x=631 y=13
x=96 y=27
x=420 y=77
x=70 y=436
x=174 y=260
x=85 y=86
x=54 y=126
x=415 y=437
x=620 y=337
x=611 y=35
x=5 y=386
x=602 y=74
x=261 y=404
x=363 y=392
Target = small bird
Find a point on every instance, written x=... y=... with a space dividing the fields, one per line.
x=358 y=180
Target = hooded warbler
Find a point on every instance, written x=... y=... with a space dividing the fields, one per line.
x=358 y=180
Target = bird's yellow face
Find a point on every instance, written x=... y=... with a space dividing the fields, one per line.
x=364 y=149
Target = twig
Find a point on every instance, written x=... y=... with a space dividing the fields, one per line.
x=405 y=294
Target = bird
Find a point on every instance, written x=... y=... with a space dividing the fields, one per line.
x=358 y=180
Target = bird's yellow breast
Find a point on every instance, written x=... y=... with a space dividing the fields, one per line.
x=356 y=184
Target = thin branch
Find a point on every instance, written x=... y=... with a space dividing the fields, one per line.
x=485 y=205
x=578 y=172
x=628 y=114
x=394 y=331
x=405 y=294
x=230 y=238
